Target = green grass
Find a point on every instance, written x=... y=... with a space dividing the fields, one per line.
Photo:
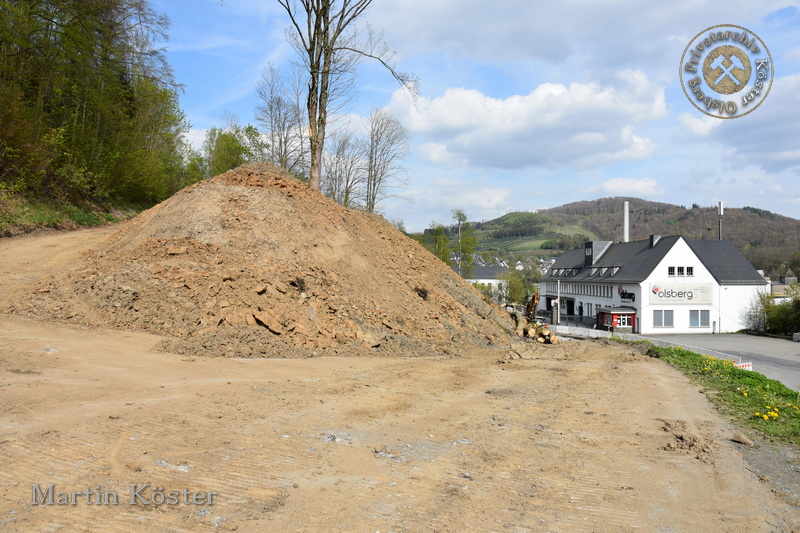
x=748 y=397
x=86 y=218
x=16 y=211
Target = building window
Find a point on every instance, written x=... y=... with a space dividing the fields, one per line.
x=680 y=271
x=662 y=319
x=670 y=271
x=624 y=320
x=690 y=271
x=699 y=318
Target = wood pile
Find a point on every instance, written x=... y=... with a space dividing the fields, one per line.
x=541 y=333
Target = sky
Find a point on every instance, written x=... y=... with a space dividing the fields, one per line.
x=525 y=104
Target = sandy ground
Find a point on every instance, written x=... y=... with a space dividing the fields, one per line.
x=581 y=436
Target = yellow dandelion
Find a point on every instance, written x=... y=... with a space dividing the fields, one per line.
x=744 y=393
x=765 y=417
x=758 y=414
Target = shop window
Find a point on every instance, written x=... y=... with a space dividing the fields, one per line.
x=624 y=320
x=662 y=318
x=699 y=318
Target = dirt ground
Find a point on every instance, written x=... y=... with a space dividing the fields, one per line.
x=581 y=436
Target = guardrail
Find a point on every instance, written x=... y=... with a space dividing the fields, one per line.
x=574 y=331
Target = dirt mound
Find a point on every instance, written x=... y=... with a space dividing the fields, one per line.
x=255 y=263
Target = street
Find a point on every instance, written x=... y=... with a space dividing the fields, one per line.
x=775 y=358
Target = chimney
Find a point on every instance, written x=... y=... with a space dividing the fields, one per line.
x=654 y=240
x=626 y=234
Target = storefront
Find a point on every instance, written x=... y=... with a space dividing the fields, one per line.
x=617 y=319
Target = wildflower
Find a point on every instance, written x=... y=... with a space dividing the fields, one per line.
x=765 y=417
x=758 y=414
x=773 y=414
x=745 y=393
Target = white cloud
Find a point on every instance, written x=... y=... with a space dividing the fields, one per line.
x=196 y=137
x=582 y=125
x=767 y=137
x=793 y=54
x=599 y=34
x=437 y=153
x=700 y=126
x=645 y=187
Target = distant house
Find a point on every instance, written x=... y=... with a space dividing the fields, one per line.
x=488 y=275
x=657 y=285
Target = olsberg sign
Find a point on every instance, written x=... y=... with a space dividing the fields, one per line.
x=680 y=293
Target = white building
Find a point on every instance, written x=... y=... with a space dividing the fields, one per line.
x=658 y=285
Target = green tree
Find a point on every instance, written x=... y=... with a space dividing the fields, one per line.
x=224 y=150
x=88 y=104
x=514 y=291
x=466 y=243
x=437 y=242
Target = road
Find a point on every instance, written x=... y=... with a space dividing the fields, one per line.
x=775 y=358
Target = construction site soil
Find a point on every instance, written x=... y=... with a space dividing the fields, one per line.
x=252 y=263
x=167 y=374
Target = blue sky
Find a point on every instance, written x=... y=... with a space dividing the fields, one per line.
x=528 y=105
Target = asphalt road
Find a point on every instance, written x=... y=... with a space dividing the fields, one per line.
x=775 y=358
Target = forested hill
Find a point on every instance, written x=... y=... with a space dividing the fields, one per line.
x=89 y=110
x=769 y=240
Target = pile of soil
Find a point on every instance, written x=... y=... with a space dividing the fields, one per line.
x=255 y=263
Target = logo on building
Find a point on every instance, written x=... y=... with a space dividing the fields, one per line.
x=680 y=293
x=726 y=71
x=625 y=295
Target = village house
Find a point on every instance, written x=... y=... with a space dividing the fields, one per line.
x=652 y=286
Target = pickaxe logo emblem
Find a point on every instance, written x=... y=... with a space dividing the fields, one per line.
x=727 y=69
x=719 y=62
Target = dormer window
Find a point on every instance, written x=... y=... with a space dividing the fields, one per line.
x=614 y=270
x=592 y=271
x=603 y=271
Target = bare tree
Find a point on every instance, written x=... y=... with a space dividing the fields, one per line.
x=281 y=120
x=298 y=97
x=344 y=168
x=387 y=145
x=326 y=37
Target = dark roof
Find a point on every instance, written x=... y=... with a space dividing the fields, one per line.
x=633 y=262
x=487 y=271
x=726 y=263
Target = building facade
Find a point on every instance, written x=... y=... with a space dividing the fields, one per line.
x=653 y=286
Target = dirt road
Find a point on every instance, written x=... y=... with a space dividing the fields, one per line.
x=582 y=436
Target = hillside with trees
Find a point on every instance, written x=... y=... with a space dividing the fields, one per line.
x=770 y=241
x=89 y=112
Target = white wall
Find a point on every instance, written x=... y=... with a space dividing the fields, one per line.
x=727 y=306
x=679 y=256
